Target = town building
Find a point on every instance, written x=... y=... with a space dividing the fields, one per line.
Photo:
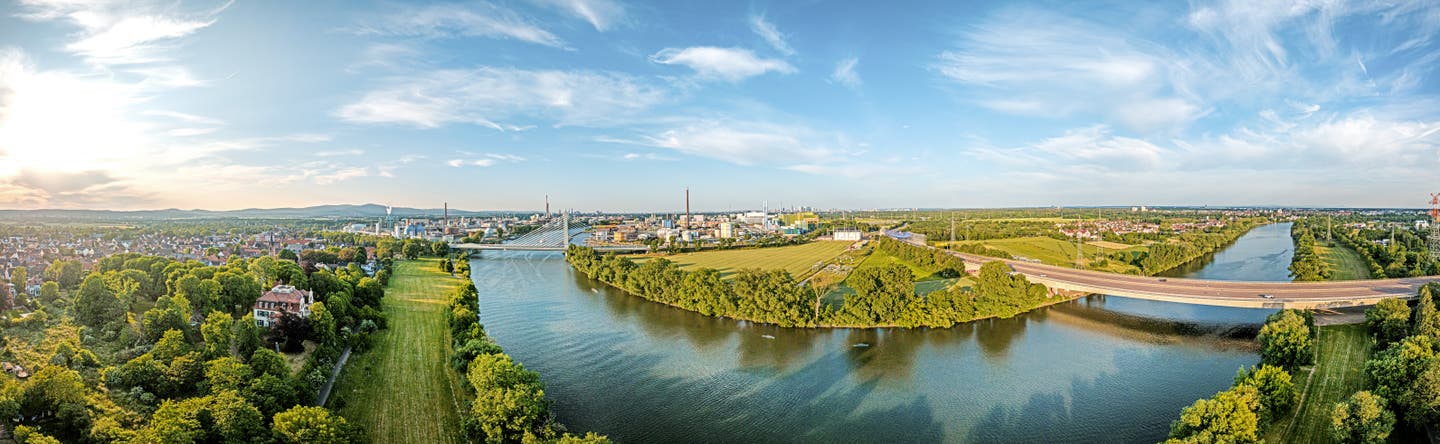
x=847 y=234
x=280 y=300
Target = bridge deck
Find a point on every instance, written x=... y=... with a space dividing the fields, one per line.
x=1210 y=292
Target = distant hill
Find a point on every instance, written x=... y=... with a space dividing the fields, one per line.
x=318 y=211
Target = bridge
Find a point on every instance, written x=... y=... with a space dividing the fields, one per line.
x=554 y=235
x=1302 y=295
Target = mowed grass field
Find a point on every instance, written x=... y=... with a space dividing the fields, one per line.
x=1345 y=264
x=403 y=389
x=799 y=260
x=1052 y=251
x=1338 y=373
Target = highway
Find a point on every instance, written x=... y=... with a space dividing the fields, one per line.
x=1209 y=292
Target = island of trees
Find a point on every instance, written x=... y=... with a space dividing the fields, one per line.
x=884 y=296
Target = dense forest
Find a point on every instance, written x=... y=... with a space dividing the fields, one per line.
x=884 y=296
x=148 y=349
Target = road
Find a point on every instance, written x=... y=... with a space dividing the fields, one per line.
x=1210 y=292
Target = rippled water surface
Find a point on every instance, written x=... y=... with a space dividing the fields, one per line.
x=1099 y=369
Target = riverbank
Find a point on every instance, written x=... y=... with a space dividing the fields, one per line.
x=885 y=296
x=403 y=388
x=1339 y=372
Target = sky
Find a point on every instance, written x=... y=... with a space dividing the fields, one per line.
x=620 y=105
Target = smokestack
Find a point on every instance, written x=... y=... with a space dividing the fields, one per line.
x=687 y=208
x=445 y=223
x=547 y=205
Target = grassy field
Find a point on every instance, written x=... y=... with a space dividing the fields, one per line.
x=1338 y=373
x=1345 y=264
x=799 y=260
x=879 y=258
x=1051 y=251
x=403 y=389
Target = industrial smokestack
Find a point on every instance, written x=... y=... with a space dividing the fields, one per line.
x=687 y=208
x=445 y=222
x=547 y=205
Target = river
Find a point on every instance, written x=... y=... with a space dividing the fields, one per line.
x=1098 y=369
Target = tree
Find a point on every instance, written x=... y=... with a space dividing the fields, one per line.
x=1275 y=386
x=218 y=332
x=1361 y=420
x=66 y=273
x=227 y=373
x=247 y=336
x=238 y=292
x=1285 y=341
x=322 y=325
x=881 y=293
x=96 y=305
x=267 y=362
x=509 y=400
x=1388 y=321
x=1427 y=322
x=385 y=248
x=414 y=248
x=168 y=314
x=440 y=249
x=235 y=419
x=288 y=255
x=1228 y=417
x=20 y=276
x=49 y=293
x=310 y=425
x=1397 y=371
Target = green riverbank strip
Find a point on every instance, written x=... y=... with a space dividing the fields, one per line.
x=1345 y=264
x=1338 y=373
x=403 y=389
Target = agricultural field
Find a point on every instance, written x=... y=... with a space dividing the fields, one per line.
x=879 y=258
x=403 y=389
x=1339 y=372
x=799 y=260
x=1345 y=264
x=1053 y=251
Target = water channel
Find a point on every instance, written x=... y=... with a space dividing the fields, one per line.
x=1099 y=369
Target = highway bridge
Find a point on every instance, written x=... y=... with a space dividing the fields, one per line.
x=1330 y=294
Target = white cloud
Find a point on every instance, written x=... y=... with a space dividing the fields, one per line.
x=488 y=96
x=484 y=159
x=602 y=14
x=740 y=143
x=1040 y=64
x=728 y=64
x=477 y=19
x=767 y=31
x=339 y=153
x=122 y=34
x=331 y=175
x=845 y=74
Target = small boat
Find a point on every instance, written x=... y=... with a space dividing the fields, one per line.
x=593 y=290
x=862 y=345
x=767 y=336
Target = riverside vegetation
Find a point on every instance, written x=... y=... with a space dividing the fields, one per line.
x=884 y=296
x=1400 y=397
x=509 y=402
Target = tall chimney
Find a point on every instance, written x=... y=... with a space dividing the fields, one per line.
x=547 y=205
x=687 y=208
x=445 y=224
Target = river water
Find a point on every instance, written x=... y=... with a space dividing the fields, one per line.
x=1099 y=369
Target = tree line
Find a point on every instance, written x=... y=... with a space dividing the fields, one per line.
x=1403 y=372
x=884 y=296
x=509 y=404
x=1306 y=264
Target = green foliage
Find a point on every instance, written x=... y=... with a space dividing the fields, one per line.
x=1230 y=417
x=1285 y=340
x=509 y=401
x=66 y=273
x=884 y=295
x=1361 y=420
x=311 y=425
x=1306 y=264
x=49 y=293
x=1276 y=389
x=218 y=332
x=95 y=303
x=1388 y=321
x=1427 y=321
x=1396 y=370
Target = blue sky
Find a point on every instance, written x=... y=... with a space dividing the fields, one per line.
x=619 y=105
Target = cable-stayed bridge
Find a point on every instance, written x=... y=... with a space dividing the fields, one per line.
x=554 y=235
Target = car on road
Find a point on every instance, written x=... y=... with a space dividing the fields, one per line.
x=1041 y=275
x=1267 y=295
x=1162 y=279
